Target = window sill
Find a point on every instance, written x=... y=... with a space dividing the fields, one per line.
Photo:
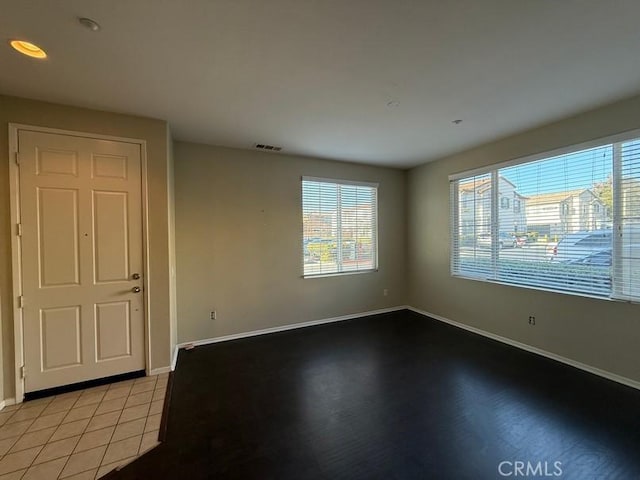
x=338 y=274
x=548 y=290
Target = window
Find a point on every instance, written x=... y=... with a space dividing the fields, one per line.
x=516 y=206
x=339 y=226
x=504 y=202
x=558 y=238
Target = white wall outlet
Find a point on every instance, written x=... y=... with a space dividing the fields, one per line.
x=213 y=315
x=385 y=292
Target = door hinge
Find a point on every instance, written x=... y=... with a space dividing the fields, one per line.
x=21 y=301
x=17 y=158
x=23 y=371
x=19 y=229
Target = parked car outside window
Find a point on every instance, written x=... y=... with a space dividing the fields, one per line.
x=505 y=240
x=599 y=259
x=579 y=246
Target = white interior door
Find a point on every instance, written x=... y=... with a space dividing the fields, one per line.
x=82 y=262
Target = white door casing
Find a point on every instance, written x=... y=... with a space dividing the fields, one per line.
x=81 y=243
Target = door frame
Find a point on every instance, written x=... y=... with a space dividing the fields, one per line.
x=16 y=245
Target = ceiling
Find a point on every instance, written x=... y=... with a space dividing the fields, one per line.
x=372 y=81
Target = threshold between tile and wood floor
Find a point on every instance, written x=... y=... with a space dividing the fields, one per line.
x=83 y=434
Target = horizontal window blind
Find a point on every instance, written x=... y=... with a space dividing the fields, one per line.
x=339 y=226
x=472 y=243
x=567 y=223
x=626 y=272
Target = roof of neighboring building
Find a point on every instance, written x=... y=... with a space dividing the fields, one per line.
x=481 y=185
x=557 y=197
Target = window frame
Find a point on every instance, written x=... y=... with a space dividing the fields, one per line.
x=375 y=237
x=493 y=171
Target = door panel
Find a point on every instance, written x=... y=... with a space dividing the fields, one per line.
x=58 y=236
x=56 y=162
x=110 y=166
x=113 y=330
x=60 y=337
x=110 y=236
x=81 y=214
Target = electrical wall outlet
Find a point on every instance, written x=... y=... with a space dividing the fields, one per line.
x=532 y=320
x=213 y=315
x=385 y=292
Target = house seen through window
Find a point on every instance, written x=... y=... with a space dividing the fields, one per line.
x=576 y=227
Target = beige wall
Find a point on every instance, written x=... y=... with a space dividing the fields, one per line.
x=239 y=242
x=30 y=112
x=600 y=333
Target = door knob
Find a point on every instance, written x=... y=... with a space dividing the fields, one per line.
x=135 y=276
x=135 y=289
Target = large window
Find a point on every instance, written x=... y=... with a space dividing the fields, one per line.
x=574 y=226
x=339 y=226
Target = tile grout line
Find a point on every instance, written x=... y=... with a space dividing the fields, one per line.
x=116 y=426
x=19 y=438
x=112 y=433
x=83 y=431
x=60 y=425
x=54 y=432
x=144 y=428
x=33 y=420
x=81 y=434
x=74 y=405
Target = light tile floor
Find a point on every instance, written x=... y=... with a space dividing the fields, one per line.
x=83 y=434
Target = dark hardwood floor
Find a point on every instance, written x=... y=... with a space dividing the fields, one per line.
x=394 y=396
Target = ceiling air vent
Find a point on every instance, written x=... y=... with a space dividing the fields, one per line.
x=269 y=148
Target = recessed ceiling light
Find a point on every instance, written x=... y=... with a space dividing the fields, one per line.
x=28 y=49
x=457 y=122
x=90 y=24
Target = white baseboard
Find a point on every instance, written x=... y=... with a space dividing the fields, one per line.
x=158 y=371
x=6 y=402
x=174 y=357
x=523 y=346
x=283 y=328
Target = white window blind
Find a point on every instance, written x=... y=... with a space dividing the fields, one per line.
x=567 y=223
x=339 y=226
x=626 y=266
x=472 y=236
